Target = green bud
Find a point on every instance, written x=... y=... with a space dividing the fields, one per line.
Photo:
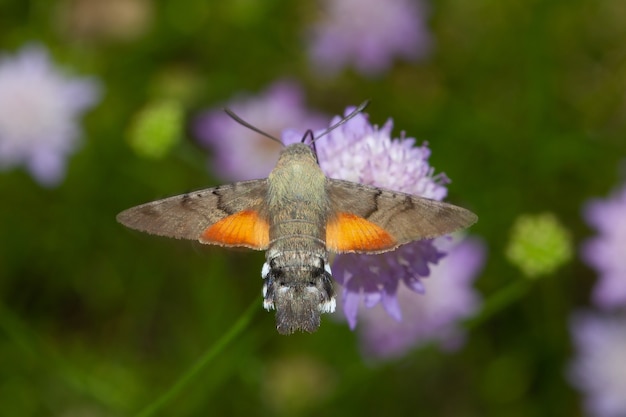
x=539 y=244
x=157 y=128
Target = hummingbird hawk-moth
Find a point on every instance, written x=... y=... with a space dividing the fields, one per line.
x=298 y=216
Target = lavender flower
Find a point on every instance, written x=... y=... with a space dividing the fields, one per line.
x=241 y=153
x=368 y=34
x=599 y=369
x=39 y=111
x=605 y=252
x=360 y=152
x=434 y=317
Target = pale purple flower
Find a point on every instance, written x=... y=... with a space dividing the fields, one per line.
x=39 y=110
x=240 y=153
x=433 y=317
x=376 y=279
x=360 y=152
x=606 y=252
x=599 y=368
x=368 y=34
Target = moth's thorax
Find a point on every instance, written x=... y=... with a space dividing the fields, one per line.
x=298 y=204
x=297 y=177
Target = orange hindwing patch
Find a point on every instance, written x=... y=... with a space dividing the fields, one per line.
x=348 y=232
x=245 y=228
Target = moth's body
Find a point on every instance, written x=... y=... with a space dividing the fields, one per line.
x=298 y=215
x=298 y=280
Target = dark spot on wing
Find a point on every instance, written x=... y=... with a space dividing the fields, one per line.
x=374 y=204
x=220 y=204
x=407 y=204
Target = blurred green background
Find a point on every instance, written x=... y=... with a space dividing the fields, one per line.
x=522 y=102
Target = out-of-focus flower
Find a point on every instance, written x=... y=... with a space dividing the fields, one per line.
x=607 y=251
x=157 y=128
x=368 y=35
x=39 y=111
x=377 y=278
x=110 y=19
x=539 y=244
x=359 y=152
x=433 y=317
x=240 y=153
x=599 y=368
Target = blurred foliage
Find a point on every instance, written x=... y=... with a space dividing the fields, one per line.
x=539 y=244
x=157 y=129
x=522 y=102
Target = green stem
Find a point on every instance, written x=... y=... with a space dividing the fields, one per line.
x=499 y=301
x=201 y=363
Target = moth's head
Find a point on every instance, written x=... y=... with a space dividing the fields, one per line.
x=299 y=299
x=297 y=152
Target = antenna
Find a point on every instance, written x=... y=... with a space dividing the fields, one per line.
x=249 y=126
x=309 y=132
x=354 y=112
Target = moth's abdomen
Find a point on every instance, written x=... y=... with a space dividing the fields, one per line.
x=298 y=280
x=298 y=285
x=297 y=234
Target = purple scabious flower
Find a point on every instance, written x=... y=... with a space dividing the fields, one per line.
x=240 y=153
x=599 y=367
x=39 y=110
x=360 y=152
x=435 y=317
x=606 y=251
x=368 y=35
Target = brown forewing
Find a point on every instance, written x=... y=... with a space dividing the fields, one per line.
x=406 y=217
x=186 y=216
